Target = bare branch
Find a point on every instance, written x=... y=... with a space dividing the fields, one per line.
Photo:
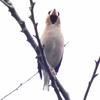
x=39 y=49
x=19 y=86
x=92 y=78
x=66 y=44
x=22 y=24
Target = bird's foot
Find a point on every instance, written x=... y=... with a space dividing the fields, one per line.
x=53 y=71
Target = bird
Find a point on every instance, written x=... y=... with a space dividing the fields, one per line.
x=53 y=41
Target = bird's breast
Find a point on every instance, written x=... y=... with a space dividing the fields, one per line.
x=53 y=45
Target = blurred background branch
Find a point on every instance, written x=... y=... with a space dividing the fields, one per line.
x=92 y=78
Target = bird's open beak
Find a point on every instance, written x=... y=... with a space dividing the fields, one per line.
x=54 y=12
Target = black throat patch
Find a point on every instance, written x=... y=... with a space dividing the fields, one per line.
x=53 y=18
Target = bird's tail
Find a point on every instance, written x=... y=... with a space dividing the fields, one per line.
x=46 y=81
x=46 y=87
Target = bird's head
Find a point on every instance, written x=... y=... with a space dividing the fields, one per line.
x=53 y=17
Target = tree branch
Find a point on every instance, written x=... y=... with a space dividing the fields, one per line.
x=38 y=49
x=92 y=78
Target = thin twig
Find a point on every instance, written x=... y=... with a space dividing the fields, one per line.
x=92 y=78
x=66 y=44
x=19 y=86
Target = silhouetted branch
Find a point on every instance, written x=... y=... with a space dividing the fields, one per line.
x=38 y=49
x=92 y=78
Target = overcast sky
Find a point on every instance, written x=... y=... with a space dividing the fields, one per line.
x=80 y=23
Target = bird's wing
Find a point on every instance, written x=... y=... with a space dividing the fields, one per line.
x=58 y=66
x=40 y=70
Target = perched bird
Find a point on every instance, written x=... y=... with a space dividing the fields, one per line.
x=53 y=42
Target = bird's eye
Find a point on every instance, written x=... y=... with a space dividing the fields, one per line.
x=58 y=13
x=49 y=12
